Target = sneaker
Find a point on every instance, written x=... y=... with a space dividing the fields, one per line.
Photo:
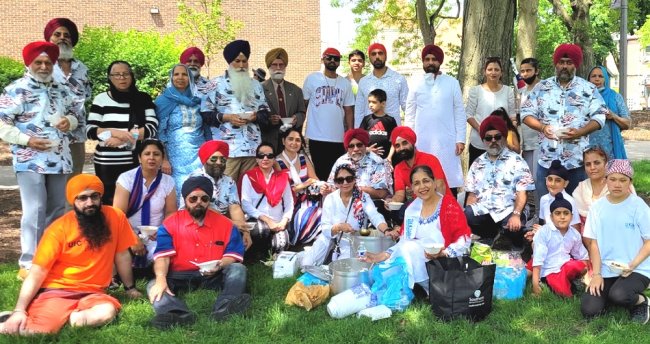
x=5 y=315
x=22 y=274
x=237 y=305
x=641 y=313
x=165 y=321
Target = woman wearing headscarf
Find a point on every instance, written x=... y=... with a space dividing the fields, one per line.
x=181 y=126
x=119 y=118
x=609 y=137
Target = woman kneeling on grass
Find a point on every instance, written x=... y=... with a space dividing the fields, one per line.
x=431 y=220
x=619 y=228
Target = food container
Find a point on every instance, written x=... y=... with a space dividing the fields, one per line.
x=616 y=267
x=246 y=115
x=148 y=231
x=207 y=266
x=433 y=248
x=375 y=242
x=347 y=273
x=395 y=205
x=286 y=121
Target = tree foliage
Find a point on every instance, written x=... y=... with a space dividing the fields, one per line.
x=206 y=27
x=644 y=33
x=10 y=70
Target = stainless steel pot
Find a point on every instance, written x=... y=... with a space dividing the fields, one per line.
x=347 y=273
x=376 y=242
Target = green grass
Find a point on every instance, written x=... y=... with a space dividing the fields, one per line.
x=530 y=320
x=642 y=176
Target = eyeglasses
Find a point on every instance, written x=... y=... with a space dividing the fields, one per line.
x=120 y=75
x=356 y=145
x=261 y=156
x=93 y=197
x=333 y=58
x=341 y=180
x=489 y=138
x=194 y=199
x=214 y=159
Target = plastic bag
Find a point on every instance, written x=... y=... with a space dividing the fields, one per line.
x=509 y=282
x=481 y=253
x=308 y=279
x=390 y=284
x=307 y=297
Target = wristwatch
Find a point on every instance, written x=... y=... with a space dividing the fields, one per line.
x=516 y=212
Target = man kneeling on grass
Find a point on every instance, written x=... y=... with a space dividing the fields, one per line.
x=187 y=238
x=73 y=266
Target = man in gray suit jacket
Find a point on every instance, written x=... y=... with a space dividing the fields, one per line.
x=284 y=98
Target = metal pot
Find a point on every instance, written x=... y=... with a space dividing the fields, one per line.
x=347 y=273
x=376 y=242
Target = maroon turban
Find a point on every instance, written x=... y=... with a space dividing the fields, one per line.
x=572 y=51
x=359 y=134
x=435 y=51
x=331 y=52
x=32 y=50
x=211 y=147
x=55 y=23
x=375 y=46
x=404 y=132
x=493 y=123
x=187 y=53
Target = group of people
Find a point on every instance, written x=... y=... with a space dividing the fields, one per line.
x=221 y=168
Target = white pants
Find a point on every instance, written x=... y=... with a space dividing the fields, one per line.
x=316 y=255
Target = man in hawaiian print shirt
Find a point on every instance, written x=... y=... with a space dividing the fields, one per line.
x=37 y=115
x=496 y=187
x=564 y=109
x=235 y=106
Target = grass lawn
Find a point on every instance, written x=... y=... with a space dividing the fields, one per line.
x=642 y=176
x=530 y=320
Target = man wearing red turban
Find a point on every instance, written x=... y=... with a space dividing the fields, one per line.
x=74 y=74
x=37 y=127
x=565 y=109
x=436 y=112
x=194 y=58
x=225 y=199
x=74 y=265
x=393 y=83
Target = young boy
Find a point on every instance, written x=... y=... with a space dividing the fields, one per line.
x=557 y=178
x=378 y=124
x=559 y=256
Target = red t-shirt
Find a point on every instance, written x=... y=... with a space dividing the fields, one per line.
x=403 y=171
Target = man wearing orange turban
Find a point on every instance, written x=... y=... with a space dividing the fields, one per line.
x=37 y=127
x=92 y=236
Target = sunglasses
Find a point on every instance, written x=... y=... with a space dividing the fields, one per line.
x=261 y=156
x=194 y=199
x=341 y=180
x=489 y=138
x=355 y=145
x=215 y=159
x=93 y=197
x=333 y=58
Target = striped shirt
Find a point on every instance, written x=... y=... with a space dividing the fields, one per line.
x=107 y=113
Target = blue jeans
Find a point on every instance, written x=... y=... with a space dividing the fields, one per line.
x=576 y=175
x=231 y=281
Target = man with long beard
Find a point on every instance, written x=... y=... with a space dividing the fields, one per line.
x=194 y=235
x=73 y=266
x=382 y=77
x=496 y=187
x=435 y=111
x=236 y=105
x=225 y=199
x=72 y=73
x=36 y=117
x=565 y=109
x=283 y=97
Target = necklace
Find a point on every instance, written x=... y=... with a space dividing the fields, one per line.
x=328 y=83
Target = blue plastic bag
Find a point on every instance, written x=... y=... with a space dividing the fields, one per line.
x=509 y=282
x=308 y=279
x=390 y=284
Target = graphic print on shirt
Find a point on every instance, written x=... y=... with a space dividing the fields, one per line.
x=328 y=95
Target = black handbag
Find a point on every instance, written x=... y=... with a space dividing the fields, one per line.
x=460 y=287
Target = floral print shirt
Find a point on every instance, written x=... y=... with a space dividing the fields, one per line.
x=371 y=170
x=572 y=106
x=495 y=183
x=225 y=191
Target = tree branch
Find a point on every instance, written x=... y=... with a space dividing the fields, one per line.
x=433 y=16
x=558 y=8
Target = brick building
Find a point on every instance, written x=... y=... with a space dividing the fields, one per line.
x=293 y=25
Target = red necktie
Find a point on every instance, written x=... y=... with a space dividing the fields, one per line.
x=281 y=108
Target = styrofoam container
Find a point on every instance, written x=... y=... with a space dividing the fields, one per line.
x=246 y=115
x=286 y=264
x=148 y=230
x=395 y=205
x=350 y=301
x=433 y=248
x=287 y=121
x=207 y=266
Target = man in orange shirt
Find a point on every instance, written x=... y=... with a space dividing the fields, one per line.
x=73 y=266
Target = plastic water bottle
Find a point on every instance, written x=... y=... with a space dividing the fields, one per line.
x=361 y=250
x=135 y=133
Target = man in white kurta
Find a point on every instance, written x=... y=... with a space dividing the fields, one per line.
x=435 y=111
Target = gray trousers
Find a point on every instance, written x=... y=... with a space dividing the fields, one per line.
x=231 y=281
x=43 y=201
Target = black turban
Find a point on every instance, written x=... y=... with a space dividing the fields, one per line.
x=198 y=182
x=234 y=48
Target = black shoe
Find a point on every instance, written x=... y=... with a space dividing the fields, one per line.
x=5 y=315
x=641 y=313
x=166 y=320
x=236 y=305
x=578 y=287
x=502 y=243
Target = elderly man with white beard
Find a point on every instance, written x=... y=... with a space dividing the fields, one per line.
x=36 y=117
x=285 y=99
x=74 y=74
x=236 y=106
x=194 y=59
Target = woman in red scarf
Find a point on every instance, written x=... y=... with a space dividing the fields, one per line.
x=266 y=197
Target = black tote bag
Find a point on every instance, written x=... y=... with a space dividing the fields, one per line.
x=460 y=287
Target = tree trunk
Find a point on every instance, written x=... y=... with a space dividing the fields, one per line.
x=526 y=29
x=578 y=25
x=487 y=31
x=428 y=31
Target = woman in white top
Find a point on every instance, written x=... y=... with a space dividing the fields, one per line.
x=485 y=98
x=345 y=211
x=146 y=195
x=266 y=197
